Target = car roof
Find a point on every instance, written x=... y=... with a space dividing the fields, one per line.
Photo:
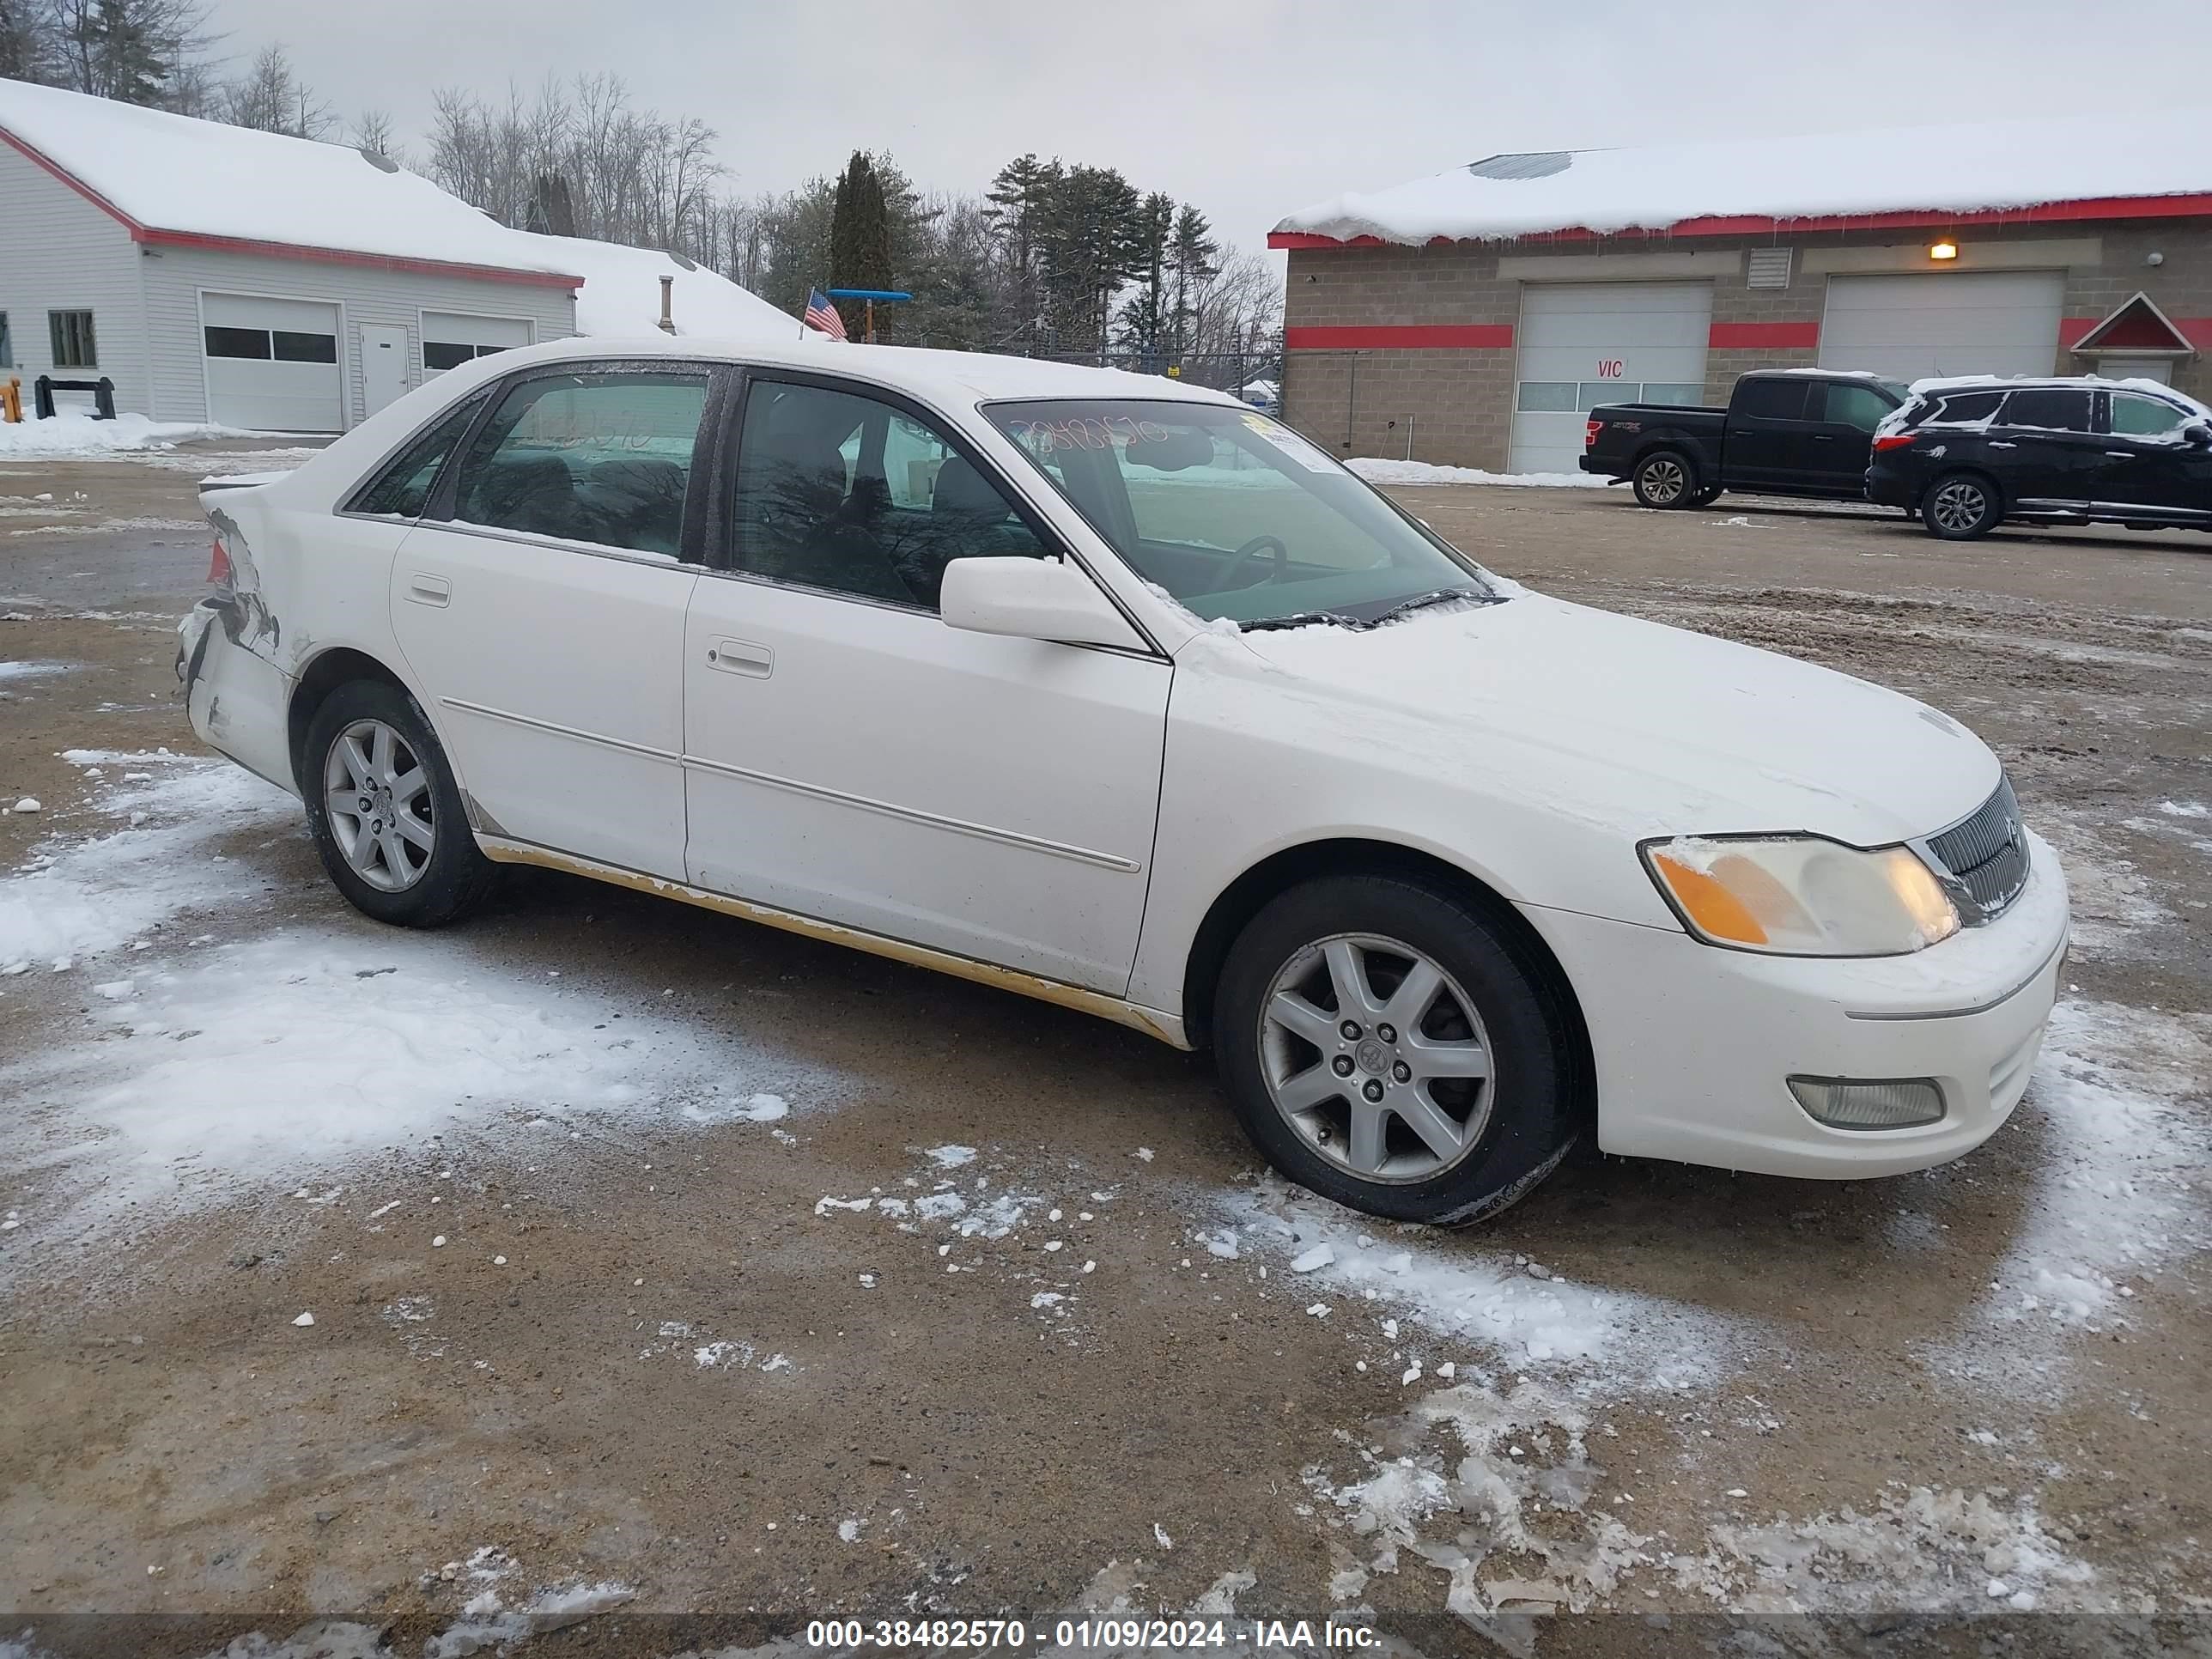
x=948 y=377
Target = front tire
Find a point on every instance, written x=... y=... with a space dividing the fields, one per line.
x=386 y=811
x=1386 y=1045
x=1961 y=506
x=1665 y=479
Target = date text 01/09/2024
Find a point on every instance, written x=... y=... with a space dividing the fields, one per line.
x=1096 y=1635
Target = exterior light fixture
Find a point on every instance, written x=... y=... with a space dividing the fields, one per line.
x=1943 y=250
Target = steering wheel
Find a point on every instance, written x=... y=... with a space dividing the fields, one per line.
x=1233 y=562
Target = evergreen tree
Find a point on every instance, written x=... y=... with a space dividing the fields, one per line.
x=1091 y=247
x=1018 y=197
x=859 y=240
x=23 y=40
x=1197 y=261
x=1144 y=314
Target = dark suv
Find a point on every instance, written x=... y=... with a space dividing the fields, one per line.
x=1968 y=455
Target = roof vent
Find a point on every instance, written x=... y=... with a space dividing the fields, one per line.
x=1533 y=164
x=380 y=161
x=1769 y=267
x=681 y=261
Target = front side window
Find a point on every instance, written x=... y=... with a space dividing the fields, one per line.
x=2137 y=416
x=602 y=457
x=2055 y=409
x=403 y=489
x=71 y=339
x=1234 y=514
x=1860 y=406
x=840 y=491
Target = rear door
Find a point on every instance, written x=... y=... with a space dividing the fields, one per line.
x=1767 y=437
x=2149 y=465
x=2044 y=449
x=541 y=604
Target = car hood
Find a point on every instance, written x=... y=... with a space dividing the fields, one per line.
x=1643 y=726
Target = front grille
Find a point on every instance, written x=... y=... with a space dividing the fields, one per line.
x=1987 y=854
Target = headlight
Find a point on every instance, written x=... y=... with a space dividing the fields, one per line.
x=1799 y=896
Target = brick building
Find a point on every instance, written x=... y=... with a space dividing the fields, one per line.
x=1470 y=317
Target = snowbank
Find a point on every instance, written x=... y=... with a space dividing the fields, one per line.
x=1964 y=168
x=620 y=293
x=1420 y=472
x=72 y=436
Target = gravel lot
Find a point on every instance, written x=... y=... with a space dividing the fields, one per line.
x=690 y=1280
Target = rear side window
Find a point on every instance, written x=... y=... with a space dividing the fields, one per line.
x=1861 y=406
x=2049 y=408
x=402 y=489
x=1771 y=400
x=1962 y=408
x=603 y=457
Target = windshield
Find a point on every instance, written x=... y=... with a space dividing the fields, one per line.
x=1234 y=514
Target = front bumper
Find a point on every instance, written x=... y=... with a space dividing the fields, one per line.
x=1694 y=1045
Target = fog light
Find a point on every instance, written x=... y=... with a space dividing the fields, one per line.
x=1843 y=1102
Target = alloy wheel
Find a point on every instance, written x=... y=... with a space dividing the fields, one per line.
x=1664 y=481
x=1960 y=505
x=1377 y=1058
x=377 y=793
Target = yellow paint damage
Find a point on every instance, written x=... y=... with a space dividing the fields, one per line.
x=1150 y=1022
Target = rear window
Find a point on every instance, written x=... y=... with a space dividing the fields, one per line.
x=2049 y=408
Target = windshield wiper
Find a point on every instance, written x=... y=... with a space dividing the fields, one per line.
x=1435 y=596
x=1303 y=619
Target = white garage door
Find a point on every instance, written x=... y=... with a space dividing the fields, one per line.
x=273 y=365
x=1964 y=322
x=449 y=337
x=1583 y=344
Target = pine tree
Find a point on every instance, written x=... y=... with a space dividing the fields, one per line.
x=1197 y=259
x=1020 y=197
x=23 y=40
x=1145 y=313
x=859 y=240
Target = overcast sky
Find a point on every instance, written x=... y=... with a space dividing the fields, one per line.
x=1248 y=108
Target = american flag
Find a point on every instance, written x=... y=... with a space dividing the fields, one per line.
x=821 y=314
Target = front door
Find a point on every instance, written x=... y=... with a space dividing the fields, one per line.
x=541 y=608
x=1842 y=436
x=1767 y=438
x=853 y=759
x=2148 y=463
x=383 y=365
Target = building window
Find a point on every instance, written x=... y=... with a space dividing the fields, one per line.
x=71 y=339
x=266 y=345
x=304 y=348
x=238 y=343
x=452 y=354
x=7 y=344
x=1545 y=397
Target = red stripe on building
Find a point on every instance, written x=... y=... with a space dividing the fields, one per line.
x=1772 y=336
x=1403 y=336
x=2092 y=208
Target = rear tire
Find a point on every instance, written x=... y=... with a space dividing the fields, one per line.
x=1665 y=479
x=1455 y=1098
x=1960 y=506
x=386 y=811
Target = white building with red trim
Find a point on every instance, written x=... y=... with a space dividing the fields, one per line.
x=1472 y=317
x=245 y=278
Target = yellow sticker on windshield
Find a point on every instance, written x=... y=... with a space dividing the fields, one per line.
x=1289 y=443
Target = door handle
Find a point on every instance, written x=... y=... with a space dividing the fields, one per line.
x=1823 y=437
x=425 y=589
x=2121 y=454
x=2001 y=444
x=755 y=662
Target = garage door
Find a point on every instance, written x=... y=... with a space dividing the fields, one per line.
x=1583 y=344
x=449 y=337
x=273 y=365
x=1992 y=322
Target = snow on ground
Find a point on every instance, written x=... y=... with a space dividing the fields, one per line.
x=111 y=526
x=209 y=1069
x=71 y=435
x=31 y=670
x=1421 y=472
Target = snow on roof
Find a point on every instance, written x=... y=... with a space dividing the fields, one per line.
x=1981 y=167
x=200 y=179
x=622 y=292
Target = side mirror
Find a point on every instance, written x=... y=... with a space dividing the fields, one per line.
x=1032 y=599
x=2198 y=433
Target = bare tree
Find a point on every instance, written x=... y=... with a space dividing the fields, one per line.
x=372 y=129
x=139 y=51
x=270 y=97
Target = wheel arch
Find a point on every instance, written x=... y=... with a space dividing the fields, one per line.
x=1972 y=470
x=322 y=674
x=1280 y=870
x=1679 y=443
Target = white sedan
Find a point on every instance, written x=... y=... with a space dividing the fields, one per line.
x=1115 y=692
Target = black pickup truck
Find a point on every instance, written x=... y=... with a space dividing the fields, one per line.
x=1785 y=431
